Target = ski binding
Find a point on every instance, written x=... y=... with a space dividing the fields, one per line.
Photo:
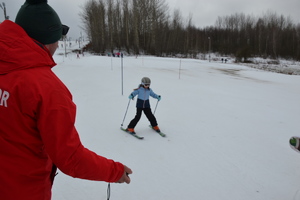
x=133 y=134
x=159 y=132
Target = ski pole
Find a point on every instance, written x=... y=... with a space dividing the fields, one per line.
x=126 y=112
x=155 y=107
x=108 y=191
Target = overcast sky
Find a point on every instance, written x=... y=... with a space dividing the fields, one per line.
x=204 y=12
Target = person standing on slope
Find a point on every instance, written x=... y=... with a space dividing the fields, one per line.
x=143 y=104
x=37 y=114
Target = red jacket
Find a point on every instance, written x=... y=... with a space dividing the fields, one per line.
x=37 y=119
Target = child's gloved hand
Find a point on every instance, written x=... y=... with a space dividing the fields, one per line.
x=159 y=98
x=130 y=96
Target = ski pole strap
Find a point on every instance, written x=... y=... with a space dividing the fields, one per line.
x=108 y=191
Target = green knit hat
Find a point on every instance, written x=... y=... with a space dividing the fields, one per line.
x=40 y=21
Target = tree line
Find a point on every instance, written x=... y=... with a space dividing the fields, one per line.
x=147 y=27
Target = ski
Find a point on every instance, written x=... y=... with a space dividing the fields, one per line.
x=295 y=143
x=159 y=132
x=133 y=134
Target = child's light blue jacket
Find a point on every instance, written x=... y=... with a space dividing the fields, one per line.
x=143 y=97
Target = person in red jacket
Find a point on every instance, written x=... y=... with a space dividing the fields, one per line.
x=37 y=114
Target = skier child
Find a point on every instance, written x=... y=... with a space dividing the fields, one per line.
x=143 y=104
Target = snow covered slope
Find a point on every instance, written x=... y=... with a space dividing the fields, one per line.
x=227 y=129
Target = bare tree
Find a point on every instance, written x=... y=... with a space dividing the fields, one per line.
x=146 y=26
x=110 y=19
x=126 y=25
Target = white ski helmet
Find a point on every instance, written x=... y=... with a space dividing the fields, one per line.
x=146 y=80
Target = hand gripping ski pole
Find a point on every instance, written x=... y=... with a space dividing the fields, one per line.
x=126 y=112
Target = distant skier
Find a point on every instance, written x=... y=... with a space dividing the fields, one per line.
x=143 y=104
